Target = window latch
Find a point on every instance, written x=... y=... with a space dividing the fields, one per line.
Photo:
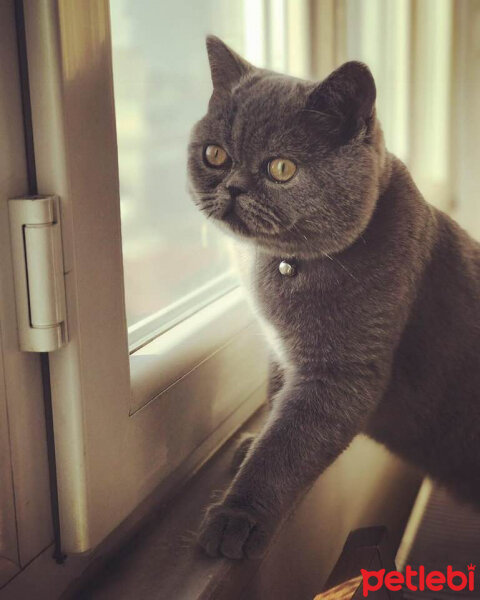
x=38 y=271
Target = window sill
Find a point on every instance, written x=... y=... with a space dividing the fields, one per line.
x=154 y=555
x=163 y=561
x=161 y=363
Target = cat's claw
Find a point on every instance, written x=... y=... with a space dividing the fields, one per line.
x=232 y=532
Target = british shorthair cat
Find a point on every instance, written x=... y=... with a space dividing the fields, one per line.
x=371 y=295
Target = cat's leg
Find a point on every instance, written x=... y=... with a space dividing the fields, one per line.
x=275 y=380
x=275 y=383
x=241 y=451
x=312 y=422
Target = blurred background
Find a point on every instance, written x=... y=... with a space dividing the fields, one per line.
x=424 y=54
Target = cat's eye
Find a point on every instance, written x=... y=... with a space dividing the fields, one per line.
x=215 y=156
x=281 y=169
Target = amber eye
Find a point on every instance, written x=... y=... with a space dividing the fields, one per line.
x=215 y=156
x=281 y=169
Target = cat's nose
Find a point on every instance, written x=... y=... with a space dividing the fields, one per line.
x=235 y=190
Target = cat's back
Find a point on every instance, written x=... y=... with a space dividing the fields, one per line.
x=439 y=354
x=454 y=269
x=431 y=411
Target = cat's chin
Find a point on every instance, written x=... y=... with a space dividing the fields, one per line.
x=311 y=251
x=270 y=244
x=235 y=225
x=274 y=245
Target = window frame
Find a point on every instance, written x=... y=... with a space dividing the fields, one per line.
x=116 y=445
x=25 y=509
x=277 y=40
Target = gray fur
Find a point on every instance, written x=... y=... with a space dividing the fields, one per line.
x=380 y=328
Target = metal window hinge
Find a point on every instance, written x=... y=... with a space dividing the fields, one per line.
x=38 y=271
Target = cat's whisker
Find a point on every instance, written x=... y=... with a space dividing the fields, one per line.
x=267 y=215
x=261 y=218
x=316 y=112
x=336 y=260
x=317 y=228
x=295 y=227
x=206 y=205
x=188 y=537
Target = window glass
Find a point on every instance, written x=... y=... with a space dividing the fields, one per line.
x=174 y=260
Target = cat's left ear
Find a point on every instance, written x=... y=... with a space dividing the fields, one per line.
x=226 y=66
x=346 y=99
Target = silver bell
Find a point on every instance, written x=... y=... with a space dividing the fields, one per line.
x=287 y=269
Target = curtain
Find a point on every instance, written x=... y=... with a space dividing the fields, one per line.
x=425 y=57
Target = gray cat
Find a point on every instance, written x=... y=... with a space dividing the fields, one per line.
x=370 y=295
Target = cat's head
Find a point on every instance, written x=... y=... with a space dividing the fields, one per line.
x=289 y=164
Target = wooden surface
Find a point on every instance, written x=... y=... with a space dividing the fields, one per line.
x=367 y=548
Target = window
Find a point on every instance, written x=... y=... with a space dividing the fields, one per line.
x=140 y=424
x=126 y=426
x=174 y=260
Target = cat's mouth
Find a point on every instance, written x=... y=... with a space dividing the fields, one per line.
x=236 y=223
x=242 y=217
x=250 y=221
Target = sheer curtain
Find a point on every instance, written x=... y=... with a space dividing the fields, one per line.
x=425 y=56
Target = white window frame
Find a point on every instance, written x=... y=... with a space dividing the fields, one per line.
x=122 y=428
x=25 y=510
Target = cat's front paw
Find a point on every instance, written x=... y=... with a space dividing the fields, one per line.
x=233 y=532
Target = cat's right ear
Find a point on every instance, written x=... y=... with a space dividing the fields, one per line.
x=226 y=66
x=345 y=100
